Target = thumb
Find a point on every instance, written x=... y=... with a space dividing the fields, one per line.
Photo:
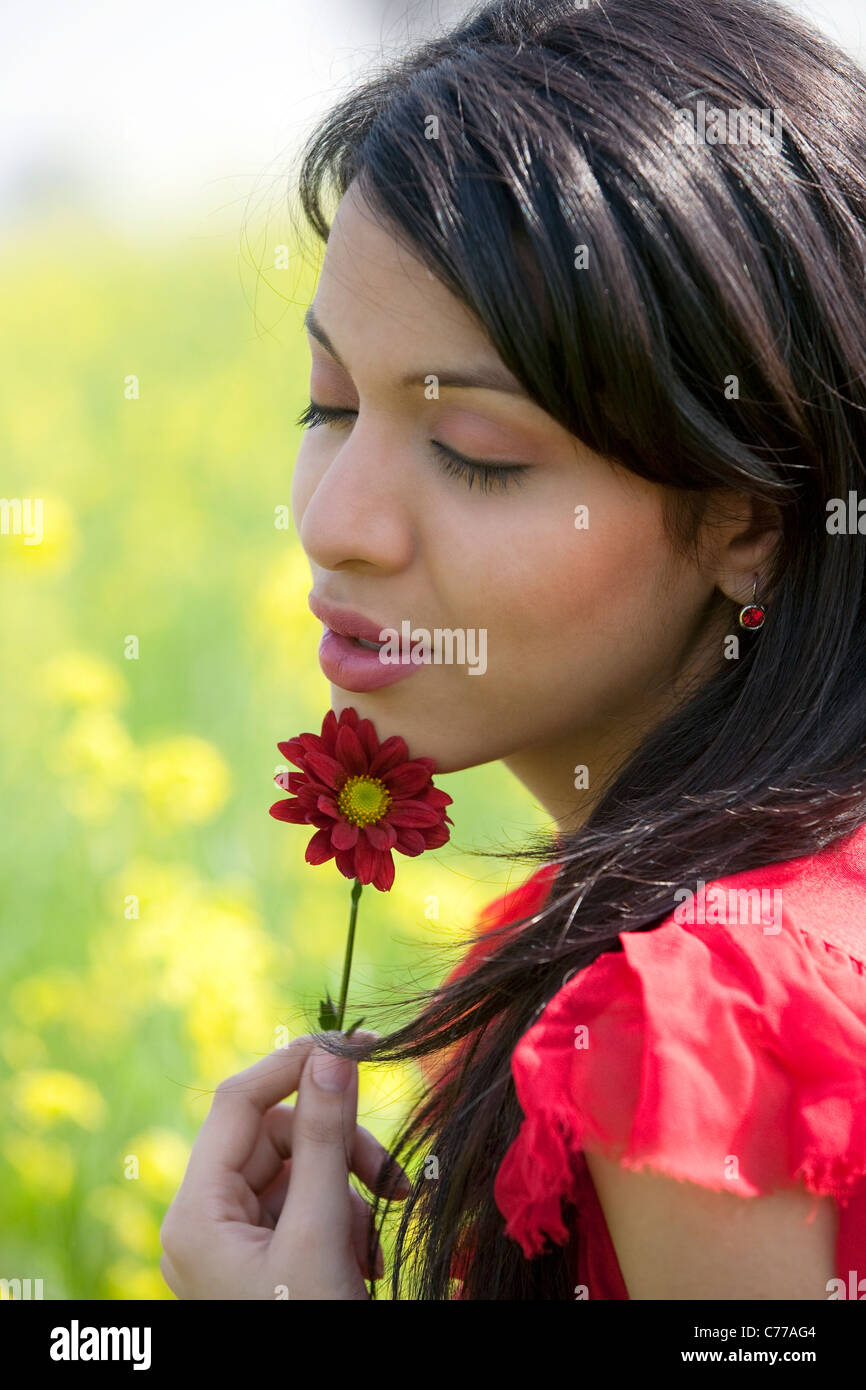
x=323 y=1128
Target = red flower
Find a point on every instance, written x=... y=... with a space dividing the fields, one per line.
x=366 y=798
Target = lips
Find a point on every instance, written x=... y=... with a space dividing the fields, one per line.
x=344 y=661
x=356 y=668
x=345 y=622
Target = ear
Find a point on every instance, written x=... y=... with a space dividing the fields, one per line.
x=742 y=538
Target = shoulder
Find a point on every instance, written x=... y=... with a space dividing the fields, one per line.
x=716 y=1056
x=679 y=1240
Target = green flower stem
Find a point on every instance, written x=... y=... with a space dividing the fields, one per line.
x=357 y=887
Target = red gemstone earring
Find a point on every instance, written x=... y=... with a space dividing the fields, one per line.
x=752 y=615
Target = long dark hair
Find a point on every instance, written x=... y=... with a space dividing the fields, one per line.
x=558 y=126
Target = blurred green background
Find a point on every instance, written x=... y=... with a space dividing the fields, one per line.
x=159 y=928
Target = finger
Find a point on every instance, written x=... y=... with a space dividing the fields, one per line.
x=368 y=1158
x=272 y=1198
x=170 y=1275
x=374 y=1165
x=362 y=1221
x=228 y=1136
x=362 y=1217
x=317 y=1206
x=272 y=1147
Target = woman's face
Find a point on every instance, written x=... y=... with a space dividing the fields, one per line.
x=585 y=627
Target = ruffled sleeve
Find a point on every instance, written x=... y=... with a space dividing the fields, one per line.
x=717 y=1054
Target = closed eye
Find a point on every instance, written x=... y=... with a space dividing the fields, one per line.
x=489 y=475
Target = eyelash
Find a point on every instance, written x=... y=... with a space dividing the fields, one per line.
x=489 y=475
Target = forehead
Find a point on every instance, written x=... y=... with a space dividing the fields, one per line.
x=374 y=290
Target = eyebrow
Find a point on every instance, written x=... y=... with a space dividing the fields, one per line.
x=479 y=379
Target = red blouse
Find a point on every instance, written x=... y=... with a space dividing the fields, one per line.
x=727 y=1046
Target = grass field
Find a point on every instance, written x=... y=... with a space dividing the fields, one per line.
x=158 y=927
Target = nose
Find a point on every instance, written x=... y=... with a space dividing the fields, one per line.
x=358 y=511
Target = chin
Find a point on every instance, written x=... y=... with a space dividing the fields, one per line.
x=427 y=735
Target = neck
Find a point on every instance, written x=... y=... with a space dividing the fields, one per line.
x=568 y=776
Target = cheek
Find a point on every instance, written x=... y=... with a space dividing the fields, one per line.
x=576 y=608
x=561 y=577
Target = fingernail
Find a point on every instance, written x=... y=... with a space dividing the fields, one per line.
x=331 y=1073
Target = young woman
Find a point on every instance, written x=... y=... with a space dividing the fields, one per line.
x=589 y=376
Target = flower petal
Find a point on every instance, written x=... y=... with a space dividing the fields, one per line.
x=410 y=842
x=413 y=813
x=293 y=751
x=344 y=836
x=309 y=791
x=437 y=835
x=350 y=753
x=311 y=743
x=384 y=875
x=328 y=805
x=367 y=736
x=312 y=789
x=319 y=850
x=329 y=733
x=407 y=779
x=365 y=860
x=382 y=836
x=393 y=751
x=289 y=811
x=346 y=863
x=434 y=797
x=328 y=769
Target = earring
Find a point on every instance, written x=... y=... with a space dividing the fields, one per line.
x=752 y=614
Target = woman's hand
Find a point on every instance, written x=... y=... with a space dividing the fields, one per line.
x=265 y=1209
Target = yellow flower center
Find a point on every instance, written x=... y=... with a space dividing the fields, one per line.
x=363 y=800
